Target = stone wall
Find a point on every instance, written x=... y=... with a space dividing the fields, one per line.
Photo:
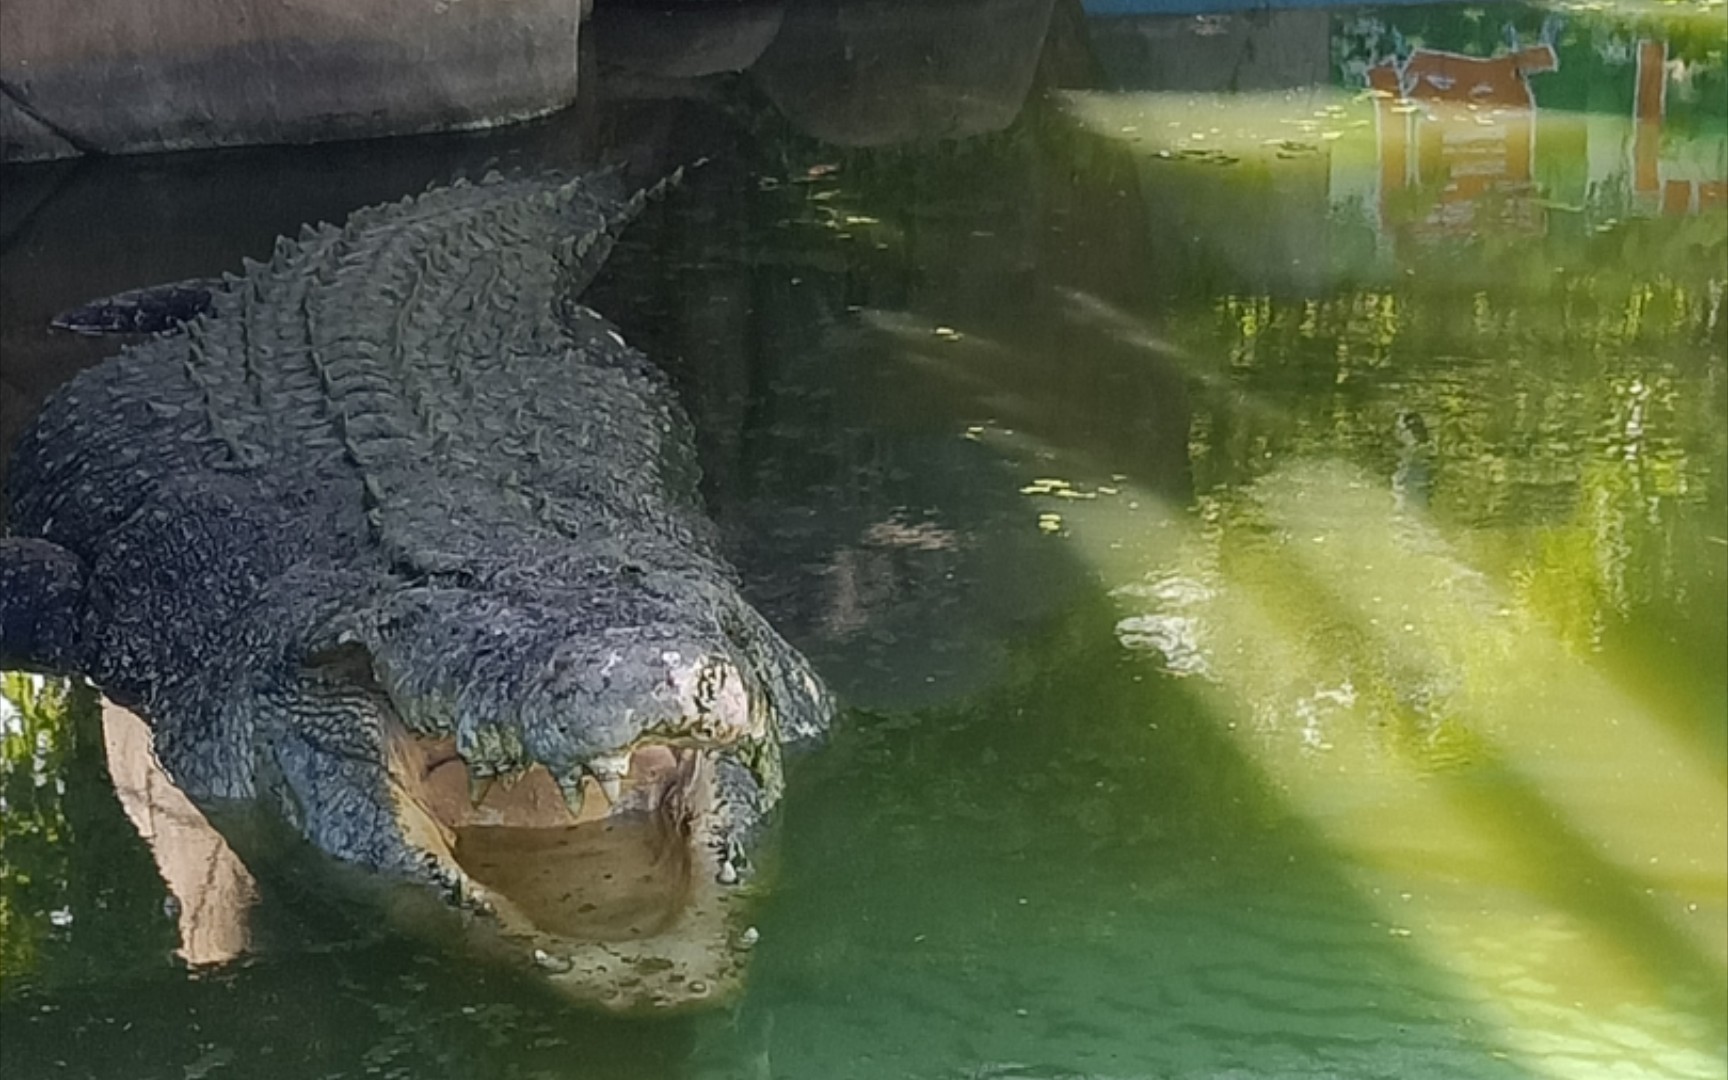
x=126 y=76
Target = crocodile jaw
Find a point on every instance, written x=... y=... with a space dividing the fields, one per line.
x=629 y=901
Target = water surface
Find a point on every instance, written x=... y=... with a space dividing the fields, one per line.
x=1258 y=481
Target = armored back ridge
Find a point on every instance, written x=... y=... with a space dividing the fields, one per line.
x=399 y=515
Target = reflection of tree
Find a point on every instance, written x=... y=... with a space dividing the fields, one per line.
x=1577 y=435
x=35 y=742
x=79 y=899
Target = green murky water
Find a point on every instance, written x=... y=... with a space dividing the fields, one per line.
x=1269 y=523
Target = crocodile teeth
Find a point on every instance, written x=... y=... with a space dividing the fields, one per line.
x=574 y=795
x=478 y=788
x=609 y=770
x=558 y=965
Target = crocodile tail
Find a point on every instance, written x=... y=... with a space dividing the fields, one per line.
x=585 y=253
x=613 y=184
x=632 y=207
x=42 y=603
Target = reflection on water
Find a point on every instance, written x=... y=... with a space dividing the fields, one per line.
x=210 y=889
x=1261 y=481
x=1485 y=760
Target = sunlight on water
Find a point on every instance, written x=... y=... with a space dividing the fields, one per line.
x=1524 y=824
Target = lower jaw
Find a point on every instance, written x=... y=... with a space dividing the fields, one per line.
x=689 y=956
x=624 y=914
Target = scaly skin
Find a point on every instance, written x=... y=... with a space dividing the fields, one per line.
x=398 y=475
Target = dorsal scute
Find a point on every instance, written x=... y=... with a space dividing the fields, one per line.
x=577 y=219
x=283 y=253
x=196 y=330
x=666 y=183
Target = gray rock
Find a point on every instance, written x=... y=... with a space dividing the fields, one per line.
x=887 y=71
x=686 y=42
x=25 y=138
x=149 y=75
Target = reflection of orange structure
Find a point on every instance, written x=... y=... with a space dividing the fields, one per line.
x=1678 y=195
x=1464 y=128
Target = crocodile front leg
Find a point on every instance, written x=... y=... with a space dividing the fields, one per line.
x=42 y=598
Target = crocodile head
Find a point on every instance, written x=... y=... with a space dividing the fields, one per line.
x=596 y=793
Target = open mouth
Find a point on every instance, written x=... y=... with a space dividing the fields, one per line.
x=622 y=886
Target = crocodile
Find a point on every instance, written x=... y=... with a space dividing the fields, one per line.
x=403 y=542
